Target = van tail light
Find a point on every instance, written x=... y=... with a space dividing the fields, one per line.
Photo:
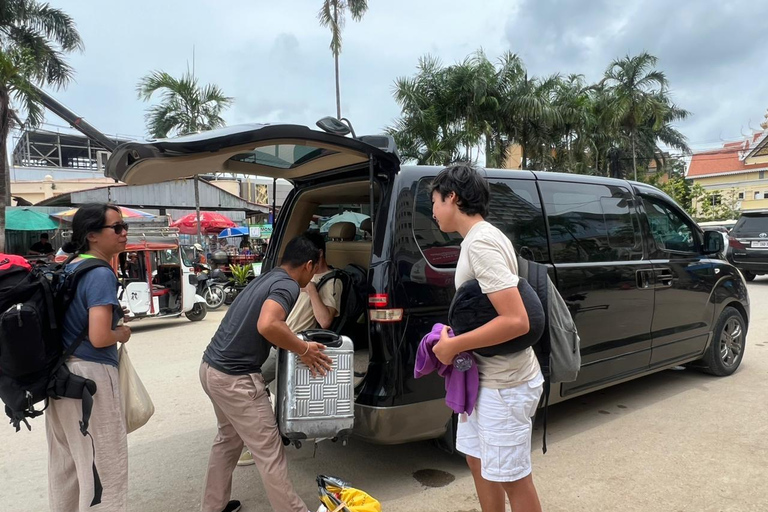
x=379 y=312
x=736 y=244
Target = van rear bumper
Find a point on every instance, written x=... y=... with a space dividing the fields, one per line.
x=402 y=423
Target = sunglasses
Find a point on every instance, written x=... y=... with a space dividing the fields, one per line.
x=119 y=227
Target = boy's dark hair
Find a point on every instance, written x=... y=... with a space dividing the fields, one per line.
x=90 y=218
x=299 y=251
x=468 y=184
x=44 y=236
x=316 y=238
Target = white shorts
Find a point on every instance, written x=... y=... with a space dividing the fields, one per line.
x=498 y=432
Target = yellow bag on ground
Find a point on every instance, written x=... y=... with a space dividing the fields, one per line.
x=338 y=497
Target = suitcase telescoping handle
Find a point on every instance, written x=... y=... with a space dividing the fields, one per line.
x=326 y=337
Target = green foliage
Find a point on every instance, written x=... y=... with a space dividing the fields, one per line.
x=560 y=123
x=34 y=38
x=716 y=205
x=332 y=15
x=683 y=191
x=184 y=107
x=240 y=274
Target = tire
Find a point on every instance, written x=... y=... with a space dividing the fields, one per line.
x=198 y=312
x=726 y=351
x=214 y=297
x=748 y=276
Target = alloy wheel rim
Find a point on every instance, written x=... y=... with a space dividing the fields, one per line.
x=731 y=342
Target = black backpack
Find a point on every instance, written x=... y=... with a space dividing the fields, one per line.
x=32 y=370
x=354 y=281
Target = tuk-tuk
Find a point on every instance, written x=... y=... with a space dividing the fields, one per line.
x=157 y=280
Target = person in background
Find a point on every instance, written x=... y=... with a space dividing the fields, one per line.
x=98 y=231
x=42 y=246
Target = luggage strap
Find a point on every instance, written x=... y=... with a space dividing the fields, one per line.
x=65 y=384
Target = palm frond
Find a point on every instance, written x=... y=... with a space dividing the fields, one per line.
x=56 y=25
x=357 y=8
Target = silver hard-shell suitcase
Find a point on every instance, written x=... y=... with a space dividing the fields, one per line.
x=321 y=407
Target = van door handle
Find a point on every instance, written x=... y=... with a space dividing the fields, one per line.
x=664 y=277
x=643 y=279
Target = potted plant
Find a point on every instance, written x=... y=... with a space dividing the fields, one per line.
x=240 y=275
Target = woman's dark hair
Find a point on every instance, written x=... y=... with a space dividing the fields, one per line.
x=468 y=184
x=316 y=238
x=299 y=251
x=89 y=218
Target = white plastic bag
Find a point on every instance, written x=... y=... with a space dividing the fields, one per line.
x=135 y=400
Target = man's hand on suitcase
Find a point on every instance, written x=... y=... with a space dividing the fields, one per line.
x=317 y=362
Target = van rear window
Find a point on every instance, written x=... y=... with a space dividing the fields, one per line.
x=751 y=224
x=515 y=209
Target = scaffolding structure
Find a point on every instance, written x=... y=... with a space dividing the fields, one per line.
x=58 y=149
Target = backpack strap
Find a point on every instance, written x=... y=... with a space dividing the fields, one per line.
x=547 y=388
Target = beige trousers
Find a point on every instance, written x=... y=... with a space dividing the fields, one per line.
x=71 y=455
x=244 y=416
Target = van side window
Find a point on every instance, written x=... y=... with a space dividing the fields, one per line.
x=589 y=223
x=669 y=229
x=515 y=209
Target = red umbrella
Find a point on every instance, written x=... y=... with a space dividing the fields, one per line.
x=210 y=222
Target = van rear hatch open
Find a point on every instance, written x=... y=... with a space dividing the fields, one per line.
x=291 y=152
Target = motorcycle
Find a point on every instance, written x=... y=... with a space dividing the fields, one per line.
x=208 y=287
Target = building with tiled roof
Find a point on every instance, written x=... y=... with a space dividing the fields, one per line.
x=739 y=170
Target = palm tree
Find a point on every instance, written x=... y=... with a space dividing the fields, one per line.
x=530 y=114
x=33 y=40
x=635 y=86
x=331 y=15
x=426 y=131
x=185 y=108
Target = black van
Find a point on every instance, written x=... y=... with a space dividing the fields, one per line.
x=642 y=280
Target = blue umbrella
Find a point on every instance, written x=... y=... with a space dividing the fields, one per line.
x=231 y=232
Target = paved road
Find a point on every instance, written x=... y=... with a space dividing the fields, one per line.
x=674 y=441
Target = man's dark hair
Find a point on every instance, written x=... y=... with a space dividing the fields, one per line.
x=43 y=236
x=299 y=251
x=468 y=184
x=316 y=238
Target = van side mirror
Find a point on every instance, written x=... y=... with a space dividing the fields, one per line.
x=713 y=242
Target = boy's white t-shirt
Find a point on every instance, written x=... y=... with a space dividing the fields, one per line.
x=488 y=256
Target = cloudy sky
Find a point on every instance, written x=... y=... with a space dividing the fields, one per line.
x=273 y=57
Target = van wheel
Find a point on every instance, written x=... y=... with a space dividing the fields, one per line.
x=727 y=348
x=198 y=312
x=748 y=276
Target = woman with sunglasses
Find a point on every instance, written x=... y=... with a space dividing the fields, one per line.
x=98 y=231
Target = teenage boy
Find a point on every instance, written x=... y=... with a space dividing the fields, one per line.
x=496 y=437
